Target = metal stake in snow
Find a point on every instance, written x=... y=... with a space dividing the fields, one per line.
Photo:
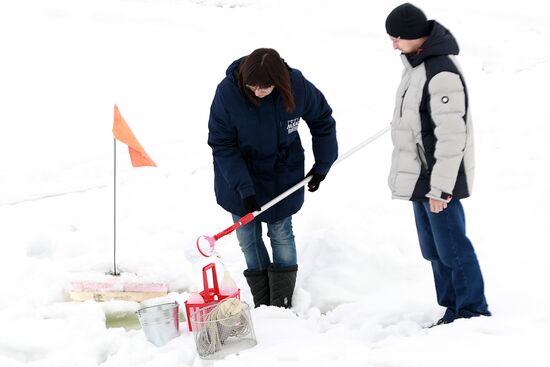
x=206 y=244
x=114 y=272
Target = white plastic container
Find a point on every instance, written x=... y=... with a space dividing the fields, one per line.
x=195 y=298
x=228 y=287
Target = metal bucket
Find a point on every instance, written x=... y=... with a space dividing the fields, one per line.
x=160 y=323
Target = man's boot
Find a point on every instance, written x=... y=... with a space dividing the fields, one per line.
x=259 y=286
x=281 y=285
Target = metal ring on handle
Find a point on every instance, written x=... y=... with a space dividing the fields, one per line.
x=211 y=241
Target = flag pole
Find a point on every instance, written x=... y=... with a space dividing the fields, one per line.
x=115 y=272
x=119 y=288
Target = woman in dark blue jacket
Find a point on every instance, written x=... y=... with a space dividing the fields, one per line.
x=253 y=133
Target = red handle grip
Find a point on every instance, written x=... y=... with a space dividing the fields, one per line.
x=241 y=222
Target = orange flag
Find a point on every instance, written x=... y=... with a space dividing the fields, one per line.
x=122 y=132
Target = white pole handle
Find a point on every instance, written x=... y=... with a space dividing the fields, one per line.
x=307 y=179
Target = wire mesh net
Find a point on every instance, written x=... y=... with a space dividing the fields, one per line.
x=222 y=329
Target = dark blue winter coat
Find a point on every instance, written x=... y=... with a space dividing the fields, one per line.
x=257 y=149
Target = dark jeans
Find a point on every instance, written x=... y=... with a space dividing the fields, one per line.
x=253 y=247
x=458 y=279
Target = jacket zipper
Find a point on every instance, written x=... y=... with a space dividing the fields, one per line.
x=422 y=157
x=402 y=103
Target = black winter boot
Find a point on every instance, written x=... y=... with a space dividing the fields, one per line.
x=281 y=285
x=259 y=286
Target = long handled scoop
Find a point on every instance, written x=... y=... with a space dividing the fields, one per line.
x=207 y=244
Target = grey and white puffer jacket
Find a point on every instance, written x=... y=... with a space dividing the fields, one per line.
x=433 y=155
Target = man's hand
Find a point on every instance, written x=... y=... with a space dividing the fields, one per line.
x=437 y=206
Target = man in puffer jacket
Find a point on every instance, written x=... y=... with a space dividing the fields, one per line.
x=258 y=154
x=433 y=157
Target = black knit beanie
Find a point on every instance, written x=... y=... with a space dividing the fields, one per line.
x=407 y=22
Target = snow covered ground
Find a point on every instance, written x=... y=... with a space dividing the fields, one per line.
x=363 y=293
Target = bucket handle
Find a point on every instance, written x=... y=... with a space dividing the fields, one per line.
x=212 y=267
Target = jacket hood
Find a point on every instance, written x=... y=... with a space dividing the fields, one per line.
x=232 y=71
x=440 y=42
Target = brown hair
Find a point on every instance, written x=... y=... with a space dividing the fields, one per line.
x=264 y=68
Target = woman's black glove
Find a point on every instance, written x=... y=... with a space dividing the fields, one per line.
x=316 y=179
x=251 y=204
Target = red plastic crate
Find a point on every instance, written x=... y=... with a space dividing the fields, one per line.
x=210 y=295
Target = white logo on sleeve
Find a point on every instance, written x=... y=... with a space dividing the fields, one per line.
x=292 y=125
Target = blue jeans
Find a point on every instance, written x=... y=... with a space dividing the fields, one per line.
x=253 y=247
x=457 y=275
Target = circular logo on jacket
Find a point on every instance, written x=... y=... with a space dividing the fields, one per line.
x=444 y=99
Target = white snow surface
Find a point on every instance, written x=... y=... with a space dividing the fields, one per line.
x=364 y=294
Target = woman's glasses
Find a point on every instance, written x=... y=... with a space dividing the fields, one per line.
x=255 y=88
